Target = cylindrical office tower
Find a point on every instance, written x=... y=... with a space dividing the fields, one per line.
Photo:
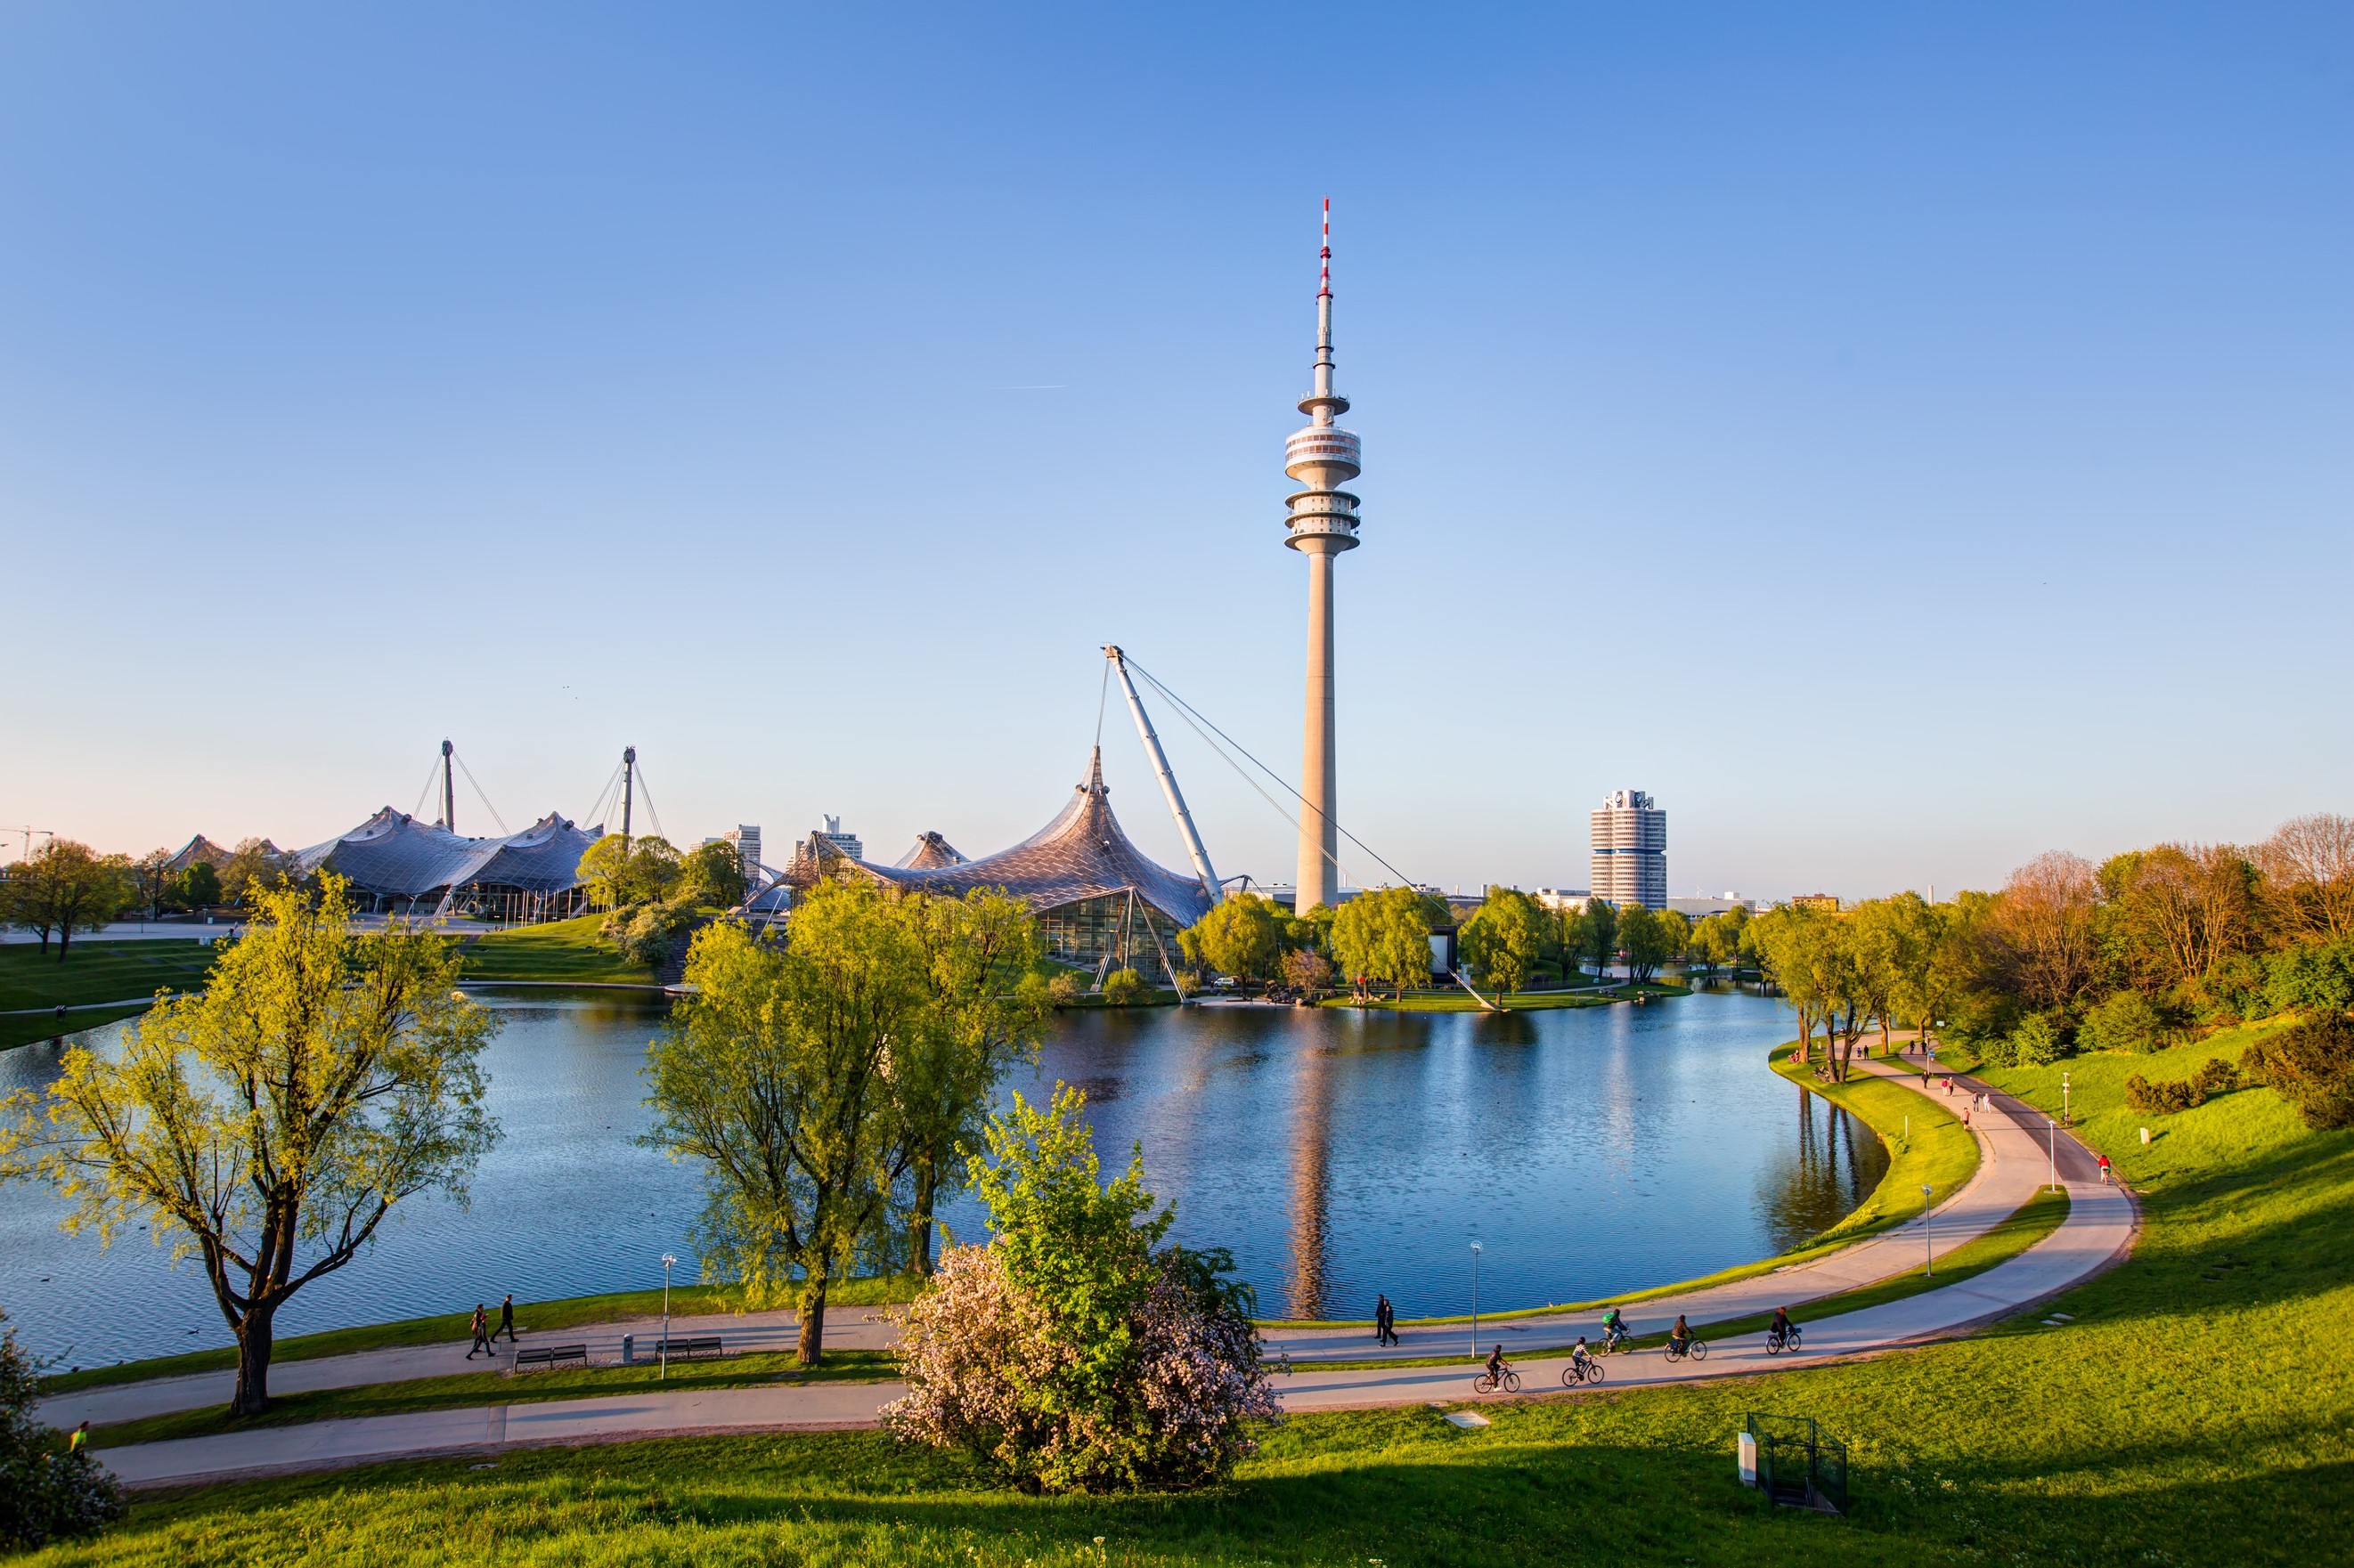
x=1323 y=521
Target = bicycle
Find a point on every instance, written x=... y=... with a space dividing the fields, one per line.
x=1777 y=1343
x=1488 y=1383
x=1614 y=1341
x=1579 y=1370
x=1694 y=1348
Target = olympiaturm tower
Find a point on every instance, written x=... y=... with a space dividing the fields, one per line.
x=1323 y=521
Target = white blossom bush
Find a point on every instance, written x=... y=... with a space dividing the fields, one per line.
x=1073 y=1353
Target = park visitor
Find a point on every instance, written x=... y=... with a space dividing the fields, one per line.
x=506 y=1320
x=481 y=1328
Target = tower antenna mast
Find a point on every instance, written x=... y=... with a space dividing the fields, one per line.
x=1320 y=523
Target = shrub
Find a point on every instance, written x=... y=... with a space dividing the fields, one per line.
x=2127 y=1021
x=2311 y=1066
x=1074 y=1351
x=643 y=932
x=1305 y=970
x=2038 y=1041
x=2215 y=1077
x=1122 y=987
x=2318 y=977
x=43 y=1495
x=1064 y=988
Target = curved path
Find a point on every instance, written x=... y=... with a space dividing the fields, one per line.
x=2013 y=1163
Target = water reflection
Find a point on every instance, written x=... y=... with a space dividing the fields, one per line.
x=1336 y=1154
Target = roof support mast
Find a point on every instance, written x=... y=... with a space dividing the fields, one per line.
x=449 y=790
x=1199 y=856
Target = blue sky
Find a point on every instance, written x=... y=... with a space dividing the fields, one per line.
x=1903 y=439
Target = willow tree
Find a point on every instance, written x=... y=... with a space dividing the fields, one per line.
x=772 y=1077
x=268 y=1124
x=1384 y=936
x=1504 y=940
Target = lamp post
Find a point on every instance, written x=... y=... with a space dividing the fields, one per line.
x=667 y=1261
x=2052 y=1152
x=2063 y=1098
x=1929 y=1236
x=1475 y=1298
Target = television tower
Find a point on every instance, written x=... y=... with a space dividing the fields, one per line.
x=1323 y=521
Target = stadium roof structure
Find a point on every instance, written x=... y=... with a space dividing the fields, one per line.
x=1082 y=853
x=931 y=851
x=394 y=855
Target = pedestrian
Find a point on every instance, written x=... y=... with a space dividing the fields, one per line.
x=2104 y=1170
x=1384 y=1321
x=482 y=1332
x=81 y=1435
x=1965 y=1116
x=506 y=1320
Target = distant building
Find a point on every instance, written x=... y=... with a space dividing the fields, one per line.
x=843 y=844
x=1630 y=839
x=1701 y=905
x=747 y=840
x=1826 y=902
x=1564 y=897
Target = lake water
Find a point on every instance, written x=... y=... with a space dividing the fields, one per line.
x=1336 y=1154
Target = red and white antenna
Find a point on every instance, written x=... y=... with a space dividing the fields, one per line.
x=1325 y=292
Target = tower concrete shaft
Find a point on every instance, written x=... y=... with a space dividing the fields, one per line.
x=1321 y=521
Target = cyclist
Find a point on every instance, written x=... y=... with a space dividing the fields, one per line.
x=1578 y=1355
x=1680 y=1336
x=1495 y=1366
x=1613 y=1329
x=1779 y=1329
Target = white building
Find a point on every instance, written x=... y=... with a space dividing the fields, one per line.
x=1559 y=898
x=847 y=843
x=1629 y=836
x=747 y=840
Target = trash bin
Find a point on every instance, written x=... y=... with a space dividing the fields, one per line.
x=629 y=1349
x=1748 y=1441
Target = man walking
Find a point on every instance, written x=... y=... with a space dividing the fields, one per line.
x=1384 y=1321
x=482 y=1330
x=506 y=1320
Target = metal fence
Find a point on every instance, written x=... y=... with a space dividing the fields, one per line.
x=1799 y=1465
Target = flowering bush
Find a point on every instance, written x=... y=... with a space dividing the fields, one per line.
x=1072 y=1351
x=45 y=1495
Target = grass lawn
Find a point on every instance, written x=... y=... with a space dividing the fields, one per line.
x=2199 y=1411
x=92 y=971
x=463 y=1389
x=558 y=951
x=571 y=1312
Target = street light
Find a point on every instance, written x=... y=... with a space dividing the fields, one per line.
x=2052 y=1152
x=1929 y=1235
x=1475 y=1298
x=2063 y=1097
x=667 y=1261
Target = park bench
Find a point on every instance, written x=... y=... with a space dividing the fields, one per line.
x=676 y=1348
x=550 y=1355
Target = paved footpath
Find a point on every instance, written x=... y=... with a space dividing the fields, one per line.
x=2013 y=1163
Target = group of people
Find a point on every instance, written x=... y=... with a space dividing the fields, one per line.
x=1782 y=1330
x=486 y=1339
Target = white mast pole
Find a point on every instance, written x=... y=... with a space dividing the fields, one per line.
x=1200 y=856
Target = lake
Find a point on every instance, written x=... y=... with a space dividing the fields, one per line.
x=1335 y=1153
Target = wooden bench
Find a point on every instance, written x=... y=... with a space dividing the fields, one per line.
x=677 y=1348
x=550 y=1355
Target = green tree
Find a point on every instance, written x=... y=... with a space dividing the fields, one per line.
x=1598 y=935
x=1642 y=940
x=1241 y=935
x=620 y=872
x=771 y=1075
x=985 y=1012
x=1503 y=939
x=64 y=887
x=1384 y=936
x=197 y=886
x=254 y=867
x=713 y=875
x=1675 y=929
x=151 y=882
x=268 y=1124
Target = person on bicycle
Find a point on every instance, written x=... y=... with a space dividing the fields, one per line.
x=1579 y=1354
x=1495 y=1366
x=1779 y=1329
x=1614 y=1327
x=1680 y=1335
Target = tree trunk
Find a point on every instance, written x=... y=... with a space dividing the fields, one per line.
x=253 y=1343
x=811 y=1347
x=919 y=1224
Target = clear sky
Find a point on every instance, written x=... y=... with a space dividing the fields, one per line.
x=1901 y=438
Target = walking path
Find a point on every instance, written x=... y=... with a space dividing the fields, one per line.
x=2013 y=1163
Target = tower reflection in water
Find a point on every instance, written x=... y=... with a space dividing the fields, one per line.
x=1312 y=1143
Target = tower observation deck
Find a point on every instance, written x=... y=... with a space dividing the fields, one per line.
x=1320 y=521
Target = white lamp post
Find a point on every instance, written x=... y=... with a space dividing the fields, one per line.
x=667 y=1261
x=2052 y=1152
x=1928 y=1235
x=2063 y=1096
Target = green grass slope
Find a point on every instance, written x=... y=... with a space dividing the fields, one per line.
x=92 y=971
x=558 y=951
x=2199 y=1411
